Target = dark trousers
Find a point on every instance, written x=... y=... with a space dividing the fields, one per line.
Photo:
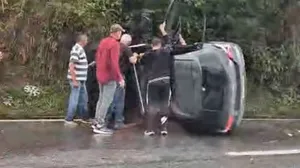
x=157 y=104
x=93 y=91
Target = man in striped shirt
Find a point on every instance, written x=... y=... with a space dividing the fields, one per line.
x=77 y=76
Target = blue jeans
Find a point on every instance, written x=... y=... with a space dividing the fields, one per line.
x=117 y=106
x=77 y=101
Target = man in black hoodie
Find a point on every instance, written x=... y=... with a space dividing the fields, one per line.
x=157 y=64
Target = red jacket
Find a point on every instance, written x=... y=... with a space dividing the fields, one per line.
x=107 y=61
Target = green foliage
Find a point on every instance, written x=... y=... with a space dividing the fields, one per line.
x=39 y=33
x=267 y=30
x=51 y=102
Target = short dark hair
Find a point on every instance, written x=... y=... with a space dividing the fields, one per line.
x=156 y=41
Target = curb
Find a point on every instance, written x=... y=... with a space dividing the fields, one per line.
x=32 y=120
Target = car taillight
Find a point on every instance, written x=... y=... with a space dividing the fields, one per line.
x=229 y=53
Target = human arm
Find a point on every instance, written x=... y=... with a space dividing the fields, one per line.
x=133 y=59
x=127 y=53
x=166 y=38
x=73 y=60
x=181 y=39
x=145 y=58
x=162 y=29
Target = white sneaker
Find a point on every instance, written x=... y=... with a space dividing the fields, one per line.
x=70 y=123
x=103 y=130
x=149 y=133
x=164 y=133
x=97 y=126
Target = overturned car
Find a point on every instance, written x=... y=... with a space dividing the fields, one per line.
x=210 y=87
x=208 y=91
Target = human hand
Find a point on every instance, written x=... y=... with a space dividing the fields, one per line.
x=133 y=59
x=75 y=84
x=162 y=26
x=141 y=54
x=162 y=29
x=122 y=83
x=135 y=54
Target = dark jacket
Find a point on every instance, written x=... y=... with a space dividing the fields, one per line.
x=158 y=63
x=125 y=54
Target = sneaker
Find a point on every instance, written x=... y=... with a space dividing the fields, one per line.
x=164 y=132
x=70 y=123
x=149 y=133
x=103 y=130
x=97 y=126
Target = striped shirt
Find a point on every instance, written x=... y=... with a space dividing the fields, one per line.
x=78 y=57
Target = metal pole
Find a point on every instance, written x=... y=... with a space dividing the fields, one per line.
x=139 y=90
x=169 y=9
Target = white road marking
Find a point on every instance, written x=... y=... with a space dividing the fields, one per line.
x=270 y=119
x=265 y=153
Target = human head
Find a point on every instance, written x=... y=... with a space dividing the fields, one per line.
x=82 y=40
x=116 y=31
x=156 y=43
x=126 y=39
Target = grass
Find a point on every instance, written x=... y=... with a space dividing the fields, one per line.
x=260 y=103
x=51 y=103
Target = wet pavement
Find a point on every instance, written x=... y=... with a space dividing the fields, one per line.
x=51 y=144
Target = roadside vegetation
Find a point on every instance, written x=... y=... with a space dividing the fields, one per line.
x=36 y=36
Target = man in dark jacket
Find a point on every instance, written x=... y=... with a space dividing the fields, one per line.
x=157 y=64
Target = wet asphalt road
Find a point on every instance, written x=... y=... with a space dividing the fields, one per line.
x=41 y=145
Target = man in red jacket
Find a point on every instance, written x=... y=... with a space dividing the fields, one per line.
x=108 y=75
